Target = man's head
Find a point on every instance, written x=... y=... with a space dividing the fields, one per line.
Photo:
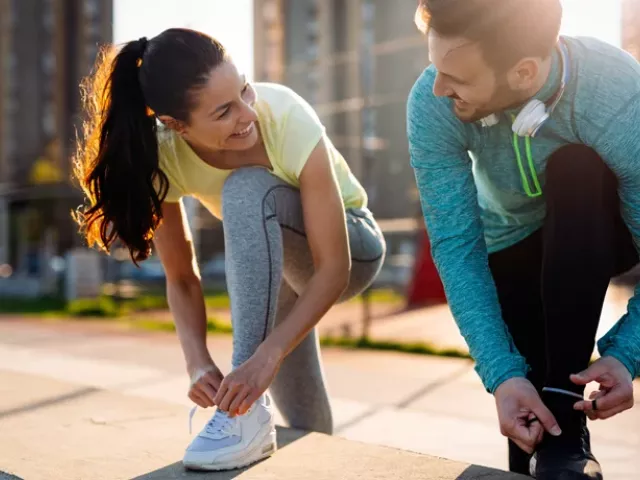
x=490 y=54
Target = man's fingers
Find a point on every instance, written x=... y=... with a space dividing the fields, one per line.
x=525 y=432
x=587 y=405
x=523 y=446
x=592 y=374
x=604 y=414
x=540 y=435
x=596 y=394
x=610 y=400
x=536 y=428
x=546 y=418
x=591 y=415
x=523 y=437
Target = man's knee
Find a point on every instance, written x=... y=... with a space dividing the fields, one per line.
x=576 y=168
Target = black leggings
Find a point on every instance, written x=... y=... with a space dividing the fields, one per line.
x=552 y=285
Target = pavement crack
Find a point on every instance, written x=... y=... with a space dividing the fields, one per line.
x=125 y=421
x=433 y=386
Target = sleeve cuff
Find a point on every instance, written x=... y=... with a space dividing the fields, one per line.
x=619 y=354
x=493 y=379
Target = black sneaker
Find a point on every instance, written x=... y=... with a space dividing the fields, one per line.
x=567 y=457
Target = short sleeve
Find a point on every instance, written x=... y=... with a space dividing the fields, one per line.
x=168 y=165
x=301 y=133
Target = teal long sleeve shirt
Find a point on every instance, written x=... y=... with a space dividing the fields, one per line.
x=474 y=200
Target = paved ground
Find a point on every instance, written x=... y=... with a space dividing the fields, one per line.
x=71 y=370
x=101 y=434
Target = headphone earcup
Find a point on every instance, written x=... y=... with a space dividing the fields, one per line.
x=530 y=118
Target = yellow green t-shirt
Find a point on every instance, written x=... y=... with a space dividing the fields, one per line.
x=290 y=131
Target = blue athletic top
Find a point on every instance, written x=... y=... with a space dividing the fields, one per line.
x=478 y=197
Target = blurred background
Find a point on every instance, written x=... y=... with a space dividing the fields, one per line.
x=353 y=60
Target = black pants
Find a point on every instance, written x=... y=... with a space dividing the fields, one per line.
x=552 y=285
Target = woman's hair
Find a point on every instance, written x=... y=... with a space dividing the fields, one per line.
x=116 y=162
x=507 y=30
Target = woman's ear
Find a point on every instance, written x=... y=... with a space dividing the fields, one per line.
x=170 y=122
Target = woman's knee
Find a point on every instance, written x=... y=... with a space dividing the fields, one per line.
x=247 y=177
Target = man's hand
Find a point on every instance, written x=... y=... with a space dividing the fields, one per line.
x=616 y=388
x=523 y=417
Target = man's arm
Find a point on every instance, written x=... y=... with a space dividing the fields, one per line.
x=449 y=203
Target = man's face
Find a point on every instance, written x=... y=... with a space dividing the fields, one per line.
x=463 y=75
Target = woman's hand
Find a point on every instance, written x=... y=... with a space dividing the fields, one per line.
x=242 y=387
x=205 y=384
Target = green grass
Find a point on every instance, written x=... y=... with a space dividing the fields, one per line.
x=217 y=301
x=45 y=306
x=107 y=306
x=213 y=325
x=104 y=306
x=393 y=346
x=382 y=296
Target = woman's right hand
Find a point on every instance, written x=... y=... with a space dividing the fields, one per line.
x=205 y=382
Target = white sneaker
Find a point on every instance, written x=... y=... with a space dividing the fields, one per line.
x=228 y=443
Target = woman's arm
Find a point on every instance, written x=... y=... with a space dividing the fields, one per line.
x=326 y=229
x=325 y=225
x=174 y=244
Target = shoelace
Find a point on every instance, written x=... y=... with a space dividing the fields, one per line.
x=219 y=423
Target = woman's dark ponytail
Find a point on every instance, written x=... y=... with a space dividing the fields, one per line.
x=117 y=161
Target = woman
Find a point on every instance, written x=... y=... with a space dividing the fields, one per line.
x=170 y=117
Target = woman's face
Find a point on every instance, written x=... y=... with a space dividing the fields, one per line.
x=223 y=117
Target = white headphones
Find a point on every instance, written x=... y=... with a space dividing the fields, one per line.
x=535 y=113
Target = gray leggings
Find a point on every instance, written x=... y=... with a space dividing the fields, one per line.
x=268 y=264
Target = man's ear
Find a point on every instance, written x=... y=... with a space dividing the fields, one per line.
x=523 y=75
x=170 y=122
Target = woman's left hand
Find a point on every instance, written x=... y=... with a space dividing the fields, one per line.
x=242 y=387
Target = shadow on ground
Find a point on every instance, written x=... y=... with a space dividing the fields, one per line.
x=177 y=470
x=47 y=403
x=475 y=472
x=8 y=476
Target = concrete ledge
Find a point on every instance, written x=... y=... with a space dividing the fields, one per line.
x=311 y=456
x=51 y=429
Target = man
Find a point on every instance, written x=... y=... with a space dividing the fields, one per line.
x=526 y=152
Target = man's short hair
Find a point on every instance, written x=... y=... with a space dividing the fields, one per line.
x=507 y=30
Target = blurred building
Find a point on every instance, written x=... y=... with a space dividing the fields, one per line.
x=46 y=47
x=631 y=27
x=355 y=62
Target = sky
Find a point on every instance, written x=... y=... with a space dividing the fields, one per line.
x=231 y=21
x=594 y=18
